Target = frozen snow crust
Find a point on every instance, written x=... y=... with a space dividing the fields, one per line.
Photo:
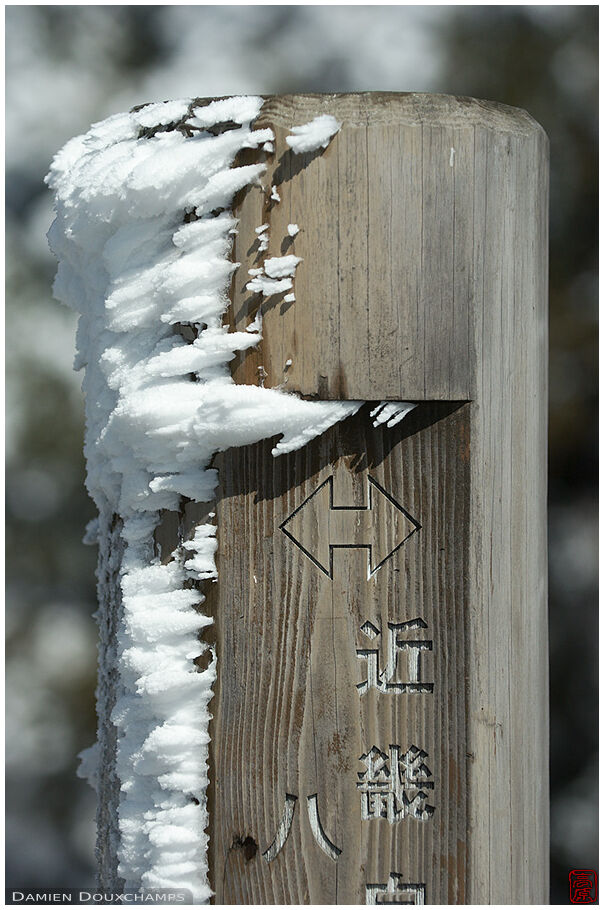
x=143 y=235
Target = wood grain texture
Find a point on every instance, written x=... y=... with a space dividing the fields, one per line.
x=288 y=716
x=387 y=292
x=507 y=706
x=109 y=616
x=424 y=278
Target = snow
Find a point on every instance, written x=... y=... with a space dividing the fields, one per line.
x=313 y=135
x=268 y=286
x=275 y=194
x=274 y=277
x=161 y=113
x=391 y=412
x=136 y=273
x=263 y=238
x=281 y=266
x=256 y=324
x=293 y=229
x=200 y=563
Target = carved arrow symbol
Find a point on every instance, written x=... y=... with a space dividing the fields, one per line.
x=317 y=526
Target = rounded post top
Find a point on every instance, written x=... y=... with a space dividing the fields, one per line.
x=367 y=108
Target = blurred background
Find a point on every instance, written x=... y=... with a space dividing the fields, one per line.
x=67 y=66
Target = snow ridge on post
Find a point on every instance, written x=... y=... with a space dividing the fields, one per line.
x=143 y=235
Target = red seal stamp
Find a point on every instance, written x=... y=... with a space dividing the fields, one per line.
x=583 y=884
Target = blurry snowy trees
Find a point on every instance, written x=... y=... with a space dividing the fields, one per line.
x=69 y=66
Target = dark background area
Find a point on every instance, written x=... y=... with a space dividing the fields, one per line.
x=69 y=66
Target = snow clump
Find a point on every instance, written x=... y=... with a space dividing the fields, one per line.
x=313 y=135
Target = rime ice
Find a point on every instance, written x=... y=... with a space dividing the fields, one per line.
x=280 y=266
x=391 y=412
x=274 y=277
x=143 y=234
x=313 y=135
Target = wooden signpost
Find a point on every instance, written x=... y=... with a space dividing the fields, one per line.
x=379 y=728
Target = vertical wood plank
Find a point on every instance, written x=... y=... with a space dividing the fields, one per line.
x=423 y=235
x=295 y=654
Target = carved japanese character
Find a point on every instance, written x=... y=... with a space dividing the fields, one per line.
x=396 y=891
x=393 y=787
x=383 y=681
x=285 y=825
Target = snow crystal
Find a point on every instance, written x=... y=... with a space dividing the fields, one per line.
x=314 y=135
x=137 y=273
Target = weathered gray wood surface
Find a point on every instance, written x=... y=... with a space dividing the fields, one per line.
x=389 y=292
x=289 y=718
x=424 y=278
x=423 y=229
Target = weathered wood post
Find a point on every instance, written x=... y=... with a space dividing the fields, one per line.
x=380 y=721
x=379 y=730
